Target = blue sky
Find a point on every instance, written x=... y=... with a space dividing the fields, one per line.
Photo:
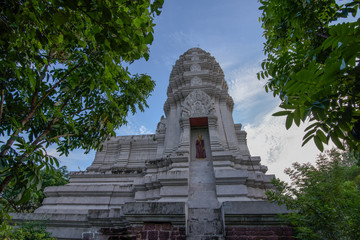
x=231 y=32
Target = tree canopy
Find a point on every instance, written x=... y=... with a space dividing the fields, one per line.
x=64 y=80
x=312 y=65
x=10 y=201
x=324 y=198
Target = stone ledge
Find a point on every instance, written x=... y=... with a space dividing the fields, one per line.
x=253 y=207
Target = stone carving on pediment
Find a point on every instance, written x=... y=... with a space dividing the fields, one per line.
x=195 y=58
x=196 y=81
x=195 y=67
x=197 y=103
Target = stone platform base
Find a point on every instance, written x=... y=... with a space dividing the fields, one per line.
x=204 y=224
x=164 y=221
x=165 y=231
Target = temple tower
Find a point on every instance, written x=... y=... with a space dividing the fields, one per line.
x=197 y=89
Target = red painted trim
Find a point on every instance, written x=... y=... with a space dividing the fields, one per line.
x=199 y=122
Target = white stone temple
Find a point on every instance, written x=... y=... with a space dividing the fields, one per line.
x=165 y=167
x=155 y=167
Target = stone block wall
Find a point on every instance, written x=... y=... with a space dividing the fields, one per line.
x=253 y=220
x=259 y=233
x=166 y=231
x=149 y=231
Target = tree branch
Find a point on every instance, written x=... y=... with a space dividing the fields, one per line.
x=31 y=113
x=11 y=203
x=42 y=76
x=11 y=140
x=48 y=128
x=318 y=20
x=6 y=181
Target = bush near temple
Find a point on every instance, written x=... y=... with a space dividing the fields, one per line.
x=325 y=197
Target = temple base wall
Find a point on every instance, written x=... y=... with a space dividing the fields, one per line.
x=160 y=221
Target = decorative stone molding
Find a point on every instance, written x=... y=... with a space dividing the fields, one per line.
x=78 y=173
x=196 y=81
x=197 y=103
x=195 y=58
x=164 y=162
x=161 y=127
x=195 y=67
x=230 y=103
x=127 y=170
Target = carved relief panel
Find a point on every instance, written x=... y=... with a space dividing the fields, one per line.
x=196 y=81
x=195 y=67
x=197 y=103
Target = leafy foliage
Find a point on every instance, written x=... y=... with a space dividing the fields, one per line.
x=325 y=198
x=5 y=219
x=10 y=201
x=29 y=231
x=312 y=65
x=64 y=80
x=10 y=197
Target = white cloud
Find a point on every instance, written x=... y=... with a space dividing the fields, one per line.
x=251 y=101
x=244 y=87
x=267 y=135
x=144 y=130
x=134 y=126
x=278 y=147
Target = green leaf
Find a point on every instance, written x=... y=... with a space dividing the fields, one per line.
x=318 y=143
x=336 y=141
x=339 y=133
x=146 y=56
x=137 y=22
x=307 y=140
x=281 y=113
x=309 y=133
x=60 y=38
x=331 y=70
x=149 y=38
x=312 y=126
x=320 y=134
x=289 y=120
x=25 y=197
